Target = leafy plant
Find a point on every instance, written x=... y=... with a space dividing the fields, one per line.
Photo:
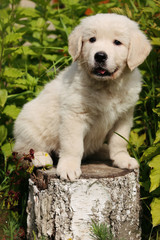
x=145 y=136
x=12 y=230
x=14 y=194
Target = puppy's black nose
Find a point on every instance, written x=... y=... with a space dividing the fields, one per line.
x=100 y=57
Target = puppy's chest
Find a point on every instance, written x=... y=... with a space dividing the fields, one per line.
x=104 y=110
x=108 y=107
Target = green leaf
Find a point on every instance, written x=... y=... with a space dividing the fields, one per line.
x=20 y=83
x=4 y=15
x=3 y=134
x=31 y=81
x=70 y=2
x=155 y=211
x=3 y=97
x=38 y=24
x=7 y=149
x=155 y=173
x=149 y=10
x=137 y=140
x=157 y=136
x=155 y=41
x=11 y=111
x=25 y=50
x=157 y=110
x=13 y=72
x=151 y=152
x=118 y=10
x=50 y=57
x=13 y=37
x=28 y=12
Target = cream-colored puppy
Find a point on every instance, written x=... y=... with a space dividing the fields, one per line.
x=90 y=100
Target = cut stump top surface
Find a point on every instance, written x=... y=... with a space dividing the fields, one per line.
x=101 y=169
x=90 y=169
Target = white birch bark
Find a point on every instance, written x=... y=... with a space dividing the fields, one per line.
x=61 y=210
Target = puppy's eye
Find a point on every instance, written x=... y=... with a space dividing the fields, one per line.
x=116 y=42
x=92 y=39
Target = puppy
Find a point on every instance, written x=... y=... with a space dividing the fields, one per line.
x=91 y=99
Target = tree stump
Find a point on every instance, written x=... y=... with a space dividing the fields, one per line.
x=63 y=210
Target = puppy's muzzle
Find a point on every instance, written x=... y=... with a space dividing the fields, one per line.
x=100 y=68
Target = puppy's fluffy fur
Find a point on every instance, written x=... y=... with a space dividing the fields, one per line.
x=91 y=99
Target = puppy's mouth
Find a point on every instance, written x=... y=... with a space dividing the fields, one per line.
x=102 y=72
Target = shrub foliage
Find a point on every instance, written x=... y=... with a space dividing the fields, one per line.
x=33 y=48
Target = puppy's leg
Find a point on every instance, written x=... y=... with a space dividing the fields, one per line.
x=118 y=146
x=72 y=131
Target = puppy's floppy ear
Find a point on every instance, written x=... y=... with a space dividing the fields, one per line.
x=75 y=42
x=138 y=50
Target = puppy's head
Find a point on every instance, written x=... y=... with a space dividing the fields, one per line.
x=105 y=44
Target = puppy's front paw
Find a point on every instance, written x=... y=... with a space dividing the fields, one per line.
x=42 y=159
x=68 y=169
x=123 y=160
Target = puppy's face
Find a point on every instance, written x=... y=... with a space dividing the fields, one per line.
x=106 y=44
x=104 y=52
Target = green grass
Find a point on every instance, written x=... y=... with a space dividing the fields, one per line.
x=101 y=231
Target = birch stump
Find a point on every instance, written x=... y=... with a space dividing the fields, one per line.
x=63 y=210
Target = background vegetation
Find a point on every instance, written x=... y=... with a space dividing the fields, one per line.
x=33 y=48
